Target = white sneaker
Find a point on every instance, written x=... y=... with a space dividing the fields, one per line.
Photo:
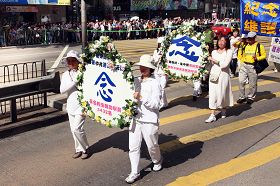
x=211 y=119
x=157 y=166
x=132 y=178
x=224 y=114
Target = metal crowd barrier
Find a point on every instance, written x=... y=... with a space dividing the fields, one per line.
x=23 y=86
x=18 y=89
x=50 y=36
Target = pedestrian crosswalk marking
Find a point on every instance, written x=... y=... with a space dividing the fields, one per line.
x=201 y=112
x=220 y=131
x=260 y=83
x=234 y=88
x=230 y=168
x=263 y=73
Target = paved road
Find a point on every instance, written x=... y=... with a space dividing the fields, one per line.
x=231 y=151
x=242 y=149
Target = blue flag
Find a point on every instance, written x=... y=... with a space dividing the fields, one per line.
x=260 y=16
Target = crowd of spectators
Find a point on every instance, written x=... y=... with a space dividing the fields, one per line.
x=47 y=33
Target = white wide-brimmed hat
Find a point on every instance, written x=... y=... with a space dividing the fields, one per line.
x=251 y=34
x=146 y=61
x=243 y=36
x=74 y=54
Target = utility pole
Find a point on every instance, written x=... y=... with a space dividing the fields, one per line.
x=84 y=24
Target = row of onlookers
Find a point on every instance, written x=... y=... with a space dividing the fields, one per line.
x=29 y=34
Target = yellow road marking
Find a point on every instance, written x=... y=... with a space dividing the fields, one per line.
x=136 y=54
x=201 y=112
x=219 y=131
x=230 y=168
x=263 y=73
x=260 y=83
x=129 y=49
x=234 y=88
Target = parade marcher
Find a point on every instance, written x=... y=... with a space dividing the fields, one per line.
x=146 y=123
x=160 y=74
x=74 y=109
x=209 y=38
x=197 y=91
x=233 y=39
x=240 y=45
x=220 y=93
x=253 y=52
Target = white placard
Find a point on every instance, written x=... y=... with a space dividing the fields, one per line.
x=106 y=90
x=184 y=56
x=274 y=52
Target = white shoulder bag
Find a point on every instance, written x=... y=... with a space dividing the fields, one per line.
x=215 y=73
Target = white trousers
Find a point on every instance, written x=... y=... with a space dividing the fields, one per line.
x=163 y=100
x=197 y=87
x=163 y=81
x=78 y=132
x=138 y=131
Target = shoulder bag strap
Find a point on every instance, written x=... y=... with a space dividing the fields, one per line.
x=258 y=48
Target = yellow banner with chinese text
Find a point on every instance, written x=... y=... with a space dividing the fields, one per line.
x=261 y=16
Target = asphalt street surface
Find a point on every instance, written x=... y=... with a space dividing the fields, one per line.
x=242 y=149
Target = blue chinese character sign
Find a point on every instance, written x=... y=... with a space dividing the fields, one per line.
x=106 y=85
x=105 y=89
x=260 y=16
x=184 y=54
x=274 y=53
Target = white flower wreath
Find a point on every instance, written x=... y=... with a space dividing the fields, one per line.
x=105 y=48
x=185 y=30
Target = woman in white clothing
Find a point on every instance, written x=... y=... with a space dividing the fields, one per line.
x=74 y=109
x=220 y=93
x=146 y=123
x=234 y=39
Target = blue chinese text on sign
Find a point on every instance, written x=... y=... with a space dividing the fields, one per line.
x=105 y=85
x=186 y=43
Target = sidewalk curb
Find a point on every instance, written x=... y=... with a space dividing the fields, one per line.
x=32 y=46
x=12 y=129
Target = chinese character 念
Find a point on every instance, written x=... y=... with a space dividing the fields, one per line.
x=187 y=43
x=103 y=80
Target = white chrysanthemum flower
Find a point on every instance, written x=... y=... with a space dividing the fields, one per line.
x=129 y=75
x=101 y=38
x=97 y=43
x=114 y=122
x=194 y=38
x=92 y=50
x=126 y=119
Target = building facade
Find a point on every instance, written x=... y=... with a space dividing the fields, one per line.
x=33 y=11
x=167 y=8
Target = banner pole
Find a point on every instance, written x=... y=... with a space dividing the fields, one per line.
x=84 y=24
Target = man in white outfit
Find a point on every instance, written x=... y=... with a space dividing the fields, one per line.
x=146 y=123
x=74 y=109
